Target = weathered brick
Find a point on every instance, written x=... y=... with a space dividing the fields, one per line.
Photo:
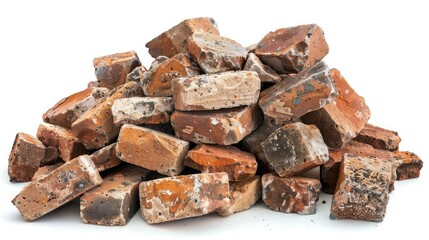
x=116 y=200
x=45 y=170
x=216 y=91
x=151 y=149
x=265 y=73
x=51 y=156
x=299 y=94
x=362 y=191
x=158 y=60
x=112 y=70
x=68 y=109
x=57 y=188
x=175 y=40
x=173 y=198
x=291 y=50
x=379 y=138
x=105 y=158
x=239 y=165
x=295 y=148
x=410 y=167
x=223 y=127
x=95 y=128
x=136 y=75
x=291 y=194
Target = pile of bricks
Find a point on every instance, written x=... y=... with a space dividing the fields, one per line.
x=211 y=126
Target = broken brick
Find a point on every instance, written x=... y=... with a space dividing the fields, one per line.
x=105 y=158
x=45 y=170
x=265 y=73
x=410 y=167
x=136 y=75
x=379 y=138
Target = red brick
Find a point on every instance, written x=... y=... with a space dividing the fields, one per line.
x=105 y=158
x=379 y=138
x=410 y=167
x=265 y=73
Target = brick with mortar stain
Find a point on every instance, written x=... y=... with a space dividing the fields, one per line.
x=223 y=127
x=379 y=138
x=291 y=194
x=410 y=167
x=151 y=149
x=68 y=109
x=142 y=110
x=116 y=200
x=68 y=145
x=341 y=120
x=265 y=73
x=45 y=170
x=216 y=91
x=215 y=53
x=362 y=191
x=157 y=81
x=175 y=40
x=136 y=75
x=295 y=148
x=105 y=158
x=95 y=127
x=57 y=188
x=112 y=70
x=242 y=195
x=186 y=196
x=291 y=50
x=239 y=165
x=299 y=94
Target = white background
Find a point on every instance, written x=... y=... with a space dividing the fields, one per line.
x=46 y=52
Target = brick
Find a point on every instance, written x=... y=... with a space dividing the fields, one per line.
x=112 y=70
x=341 y=120
x=242 y=195
x=299 y=94
x=239 y=165
x=265 y=73
x=186 y=196
x=51 y=156
x=223 y=127
x=362 y=191
x=136 y=75
x=57 y=188
x=116 y=200
x=379 y=138
x=294 y=49
x=410 y=167
x=151 y=149
x=291 y=194
x=295 y=148
x=215 y=53
x=45 y=170
x=158 y=60
x=142 y=110
x=216 y=91
x=68 y=145
x=95 y=128
x=105 y=158
x=68 y=109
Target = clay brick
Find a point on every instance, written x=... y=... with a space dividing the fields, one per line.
x=51 y=156
x=136 y=75
x=295 y=148
x=291 y=50
x=68 y=109
x=173 y=198
x=68 y=145
x=215 y=53
x=379 y=138
x=158 y=60
x=299 y=94
x=239 y=165
x=112 y=70
x=216 y=91
x=362 y=191
x=410 y=167
x=175 y=40
x=291 y=194
x=95 y=128
x=57 y=188
x=265 y=73
x=242 y=195
x=152 y=150
x=45 y=170
x=105 y=158
x=223 y=127
x=341 y=120
x=116 y=200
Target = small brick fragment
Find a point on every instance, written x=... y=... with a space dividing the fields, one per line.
x=45 y=170
x=95 y=128
x=151 y=149
x=362 y=191
x=112 y=70
x=295 y=148
x=186 y=196
x=57 y=188
x=105 y=158
x=410 y=167
x=294 y=49
x=136 y=75
x=379 y=138
x=216 y=91
x=51 y=156
x=215 y=53
x=239 y=165
x=175 y=40
x=116 y=200
x=291 y=194
x=223 y=127
x=265 y=73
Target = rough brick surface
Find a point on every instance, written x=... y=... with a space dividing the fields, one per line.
x=410 y=167
x=45 y=170
x=379 y=138
x=105 y=158
x=265 y=73
x=136 y=75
